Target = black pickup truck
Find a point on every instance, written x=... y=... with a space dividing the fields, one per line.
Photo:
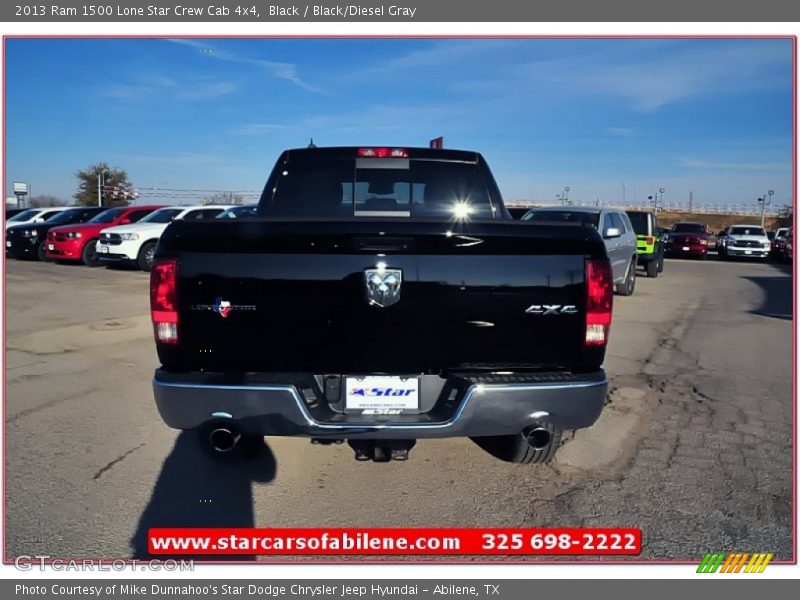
x=381 y=296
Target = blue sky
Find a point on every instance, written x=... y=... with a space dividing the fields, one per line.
x=604 y=117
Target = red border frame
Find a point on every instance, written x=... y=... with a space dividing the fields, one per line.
x=361 y=560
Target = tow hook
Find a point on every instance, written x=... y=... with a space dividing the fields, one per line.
x=381 y=450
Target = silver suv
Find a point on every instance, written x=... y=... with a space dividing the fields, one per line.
x=616 y=229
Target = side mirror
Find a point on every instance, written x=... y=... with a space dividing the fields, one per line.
x=125 y=221
x=38 y=220
x=612 y=232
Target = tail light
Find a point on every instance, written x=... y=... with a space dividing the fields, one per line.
x=383 y=153
x=599 y=301
x=164 y=300
x=650 y=239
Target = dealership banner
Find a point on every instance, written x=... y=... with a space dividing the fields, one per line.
x=385 y=589
x=195 y=11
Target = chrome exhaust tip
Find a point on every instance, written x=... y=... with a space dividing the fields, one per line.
x=538 y=437
x=223 y=440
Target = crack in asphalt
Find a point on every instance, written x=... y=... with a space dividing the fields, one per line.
x=116 y=461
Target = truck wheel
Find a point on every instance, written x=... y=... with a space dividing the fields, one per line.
x=652 y=268
x=627 y=286
x=661 y=263
x=89 y=254
x=146 y=255
x=517 y=449
x=41 y=253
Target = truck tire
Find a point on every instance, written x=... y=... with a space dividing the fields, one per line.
x=145 y=258
x=661 y=262
x=652 y=268
x=626 y=287
x=516 y=449
x=89 y=254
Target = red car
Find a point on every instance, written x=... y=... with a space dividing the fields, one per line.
x=688 y=239
x=77 y=242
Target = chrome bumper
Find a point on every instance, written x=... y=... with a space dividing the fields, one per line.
x=480 y=409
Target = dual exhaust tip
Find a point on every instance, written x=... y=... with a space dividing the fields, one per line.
x=225 y=439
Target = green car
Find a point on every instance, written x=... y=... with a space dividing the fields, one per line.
x=649 y=245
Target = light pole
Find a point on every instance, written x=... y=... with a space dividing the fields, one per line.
x=764 y=203
x=101 y=181
x=566 y=195
x=661 y=197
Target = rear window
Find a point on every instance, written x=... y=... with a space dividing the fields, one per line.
x=746 y=231
x=563 y=216
x=379 y=187
x=640 y=222
x=688 y=228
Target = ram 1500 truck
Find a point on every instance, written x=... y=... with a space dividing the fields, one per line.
x=381 y=296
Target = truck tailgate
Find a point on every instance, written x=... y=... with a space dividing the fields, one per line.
x=294 y=297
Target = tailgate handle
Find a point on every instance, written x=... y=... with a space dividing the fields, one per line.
x=383 y=244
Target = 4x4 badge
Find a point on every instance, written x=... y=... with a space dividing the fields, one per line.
x=552 y=309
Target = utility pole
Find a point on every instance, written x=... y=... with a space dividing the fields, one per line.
x=690 y=200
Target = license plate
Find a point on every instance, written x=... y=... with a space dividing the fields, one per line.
x=748 y=251
x=51 y=247
x=686 y=248
x=103 y=249
x=381 y=394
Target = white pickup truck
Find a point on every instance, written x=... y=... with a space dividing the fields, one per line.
x=136 y=243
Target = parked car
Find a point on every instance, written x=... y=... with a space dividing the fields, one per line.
x=28 y=240
x=688 y=239
x=245 y=211
x=35 y=215
x=786 y=253
x=615 y=228
x=350 y=312
x=719 y=243
x=517 y=212
x=747 y=241
x=11 y=212
x=649 y=249
x=778 y=240
x=136 y=243
x=79 y=242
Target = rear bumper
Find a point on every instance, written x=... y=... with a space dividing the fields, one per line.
x=568 y=401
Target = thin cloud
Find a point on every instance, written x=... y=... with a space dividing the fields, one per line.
x=280 y=70
x=160 y=86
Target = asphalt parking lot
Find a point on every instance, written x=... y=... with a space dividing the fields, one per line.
x=694 y=446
